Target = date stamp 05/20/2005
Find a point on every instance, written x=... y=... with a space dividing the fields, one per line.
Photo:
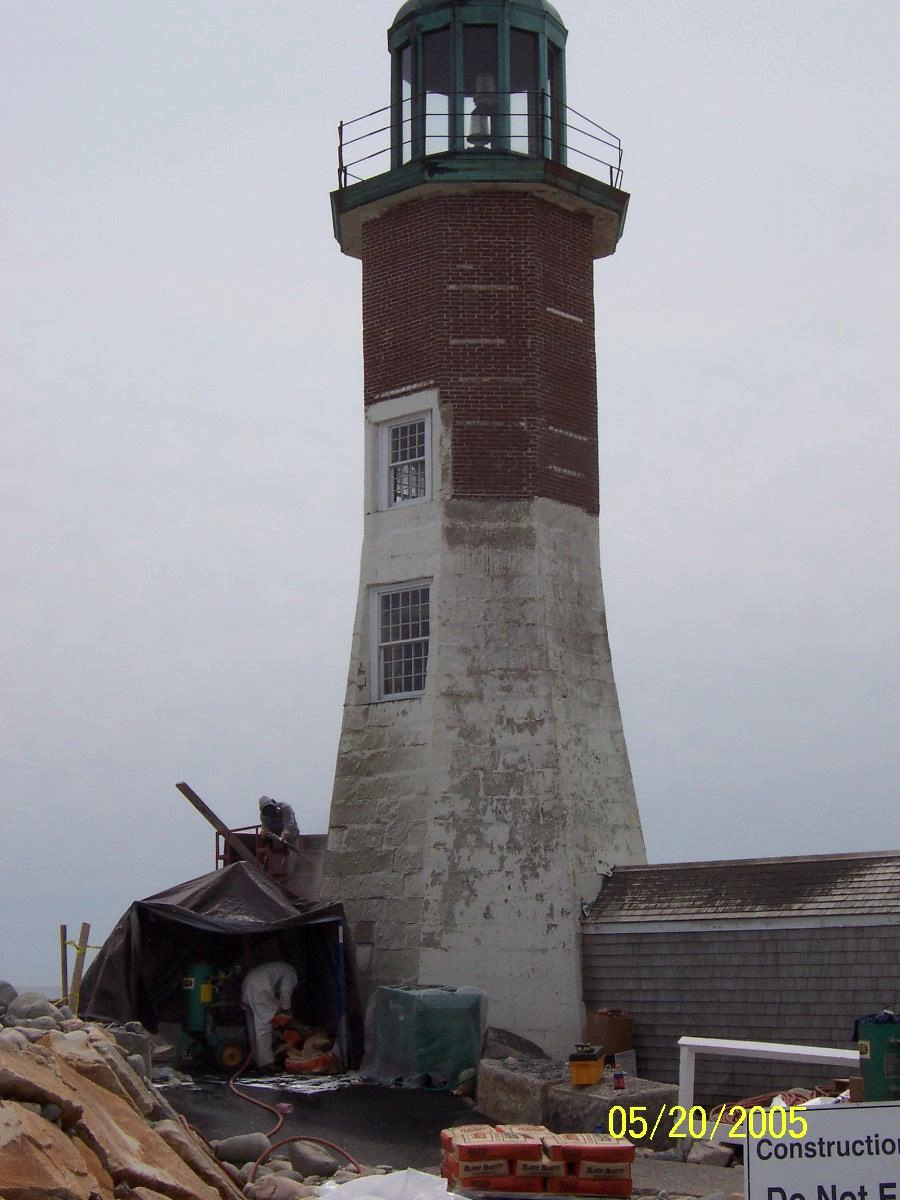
x=676 y=1121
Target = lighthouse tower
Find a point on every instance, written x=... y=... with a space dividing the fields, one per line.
x=482 y=778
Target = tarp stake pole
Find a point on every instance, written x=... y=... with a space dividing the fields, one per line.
x=220 y=827
x=64 y=963
x=78 y=969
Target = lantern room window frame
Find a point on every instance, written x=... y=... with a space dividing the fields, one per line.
x=409 y=119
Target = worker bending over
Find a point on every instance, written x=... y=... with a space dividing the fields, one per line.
x=267 y=991
x=278 y=821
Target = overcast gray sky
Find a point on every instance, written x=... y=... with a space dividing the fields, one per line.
x=182 y=437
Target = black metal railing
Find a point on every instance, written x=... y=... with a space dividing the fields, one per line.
x=532 y=125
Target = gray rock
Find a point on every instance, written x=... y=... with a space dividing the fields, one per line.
x=711 y=1155
x=715 y=1196
x=33 y=1035
x=30 y=1005
x=51 y=1112
x=44 y=1023
x=243 y=1148
x=31 y=1106
x=501 y=1043
x=278 y=1187
x=65 y=1012
x=137 y=1063
x=309 y=1159
x=7 y=993
x=14 y=1037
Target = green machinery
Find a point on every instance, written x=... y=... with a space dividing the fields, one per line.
x=879 y=1059
x=213 y=1030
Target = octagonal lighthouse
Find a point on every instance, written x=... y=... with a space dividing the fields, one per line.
x=482 y=777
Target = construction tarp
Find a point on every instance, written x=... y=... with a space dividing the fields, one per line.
x=222 y=918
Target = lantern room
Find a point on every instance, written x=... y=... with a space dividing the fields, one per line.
x=477 y=75
x=478 y=99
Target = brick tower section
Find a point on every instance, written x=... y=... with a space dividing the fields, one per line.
x=489 y=298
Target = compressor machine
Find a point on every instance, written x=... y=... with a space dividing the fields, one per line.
x=214 y=1031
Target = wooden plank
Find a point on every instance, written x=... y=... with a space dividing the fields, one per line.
x=64 y=963
x=78 y=970
x=205 y=811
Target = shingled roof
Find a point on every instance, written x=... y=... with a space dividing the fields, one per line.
x=866 y=884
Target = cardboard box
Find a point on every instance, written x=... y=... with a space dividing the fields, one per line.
x=609 y=1028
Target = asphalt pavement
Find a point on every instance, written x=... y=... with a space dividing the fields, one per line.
x=390 y=1126
x=398 y=1127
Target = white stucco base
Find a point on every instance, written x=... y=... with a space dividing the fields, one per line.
x=467 y=824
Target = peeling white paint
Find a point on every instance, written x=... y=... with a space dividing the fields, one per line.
x=467 y=823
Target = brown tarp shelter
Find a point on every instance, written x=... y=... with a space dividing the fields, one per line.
x=137 y=975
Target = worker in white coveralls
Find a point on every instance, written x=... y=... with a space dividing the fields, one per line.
x=267 y=991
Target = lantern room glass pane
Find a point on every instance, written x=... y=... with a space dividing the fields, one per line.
x=438 y=84
x=524 y=100
x=481 y=99
x=554 y=87
x=406 y=111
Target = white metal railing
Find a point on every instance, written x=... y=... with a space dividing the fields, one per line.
x=690 y=1047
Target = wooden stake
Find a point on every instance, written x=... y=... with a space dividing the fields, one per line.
x=78 y=970
x=64 y=962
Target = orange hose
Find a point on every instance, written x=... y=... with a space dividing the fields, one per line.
x=252 y=1100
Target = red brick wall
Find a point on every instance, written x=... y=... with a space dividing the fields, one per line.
x=456 y=292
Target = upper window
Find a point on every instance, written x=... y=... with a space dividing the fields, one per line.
x=406 y=460
x=403 y=624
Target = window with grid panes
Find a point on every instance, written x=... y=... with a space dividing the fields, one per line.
x=407 y=460
x=403 y=632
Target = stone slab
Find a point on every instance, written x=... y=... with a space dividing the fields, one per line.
x=571 y=1109
x=23 y=1077
x=37 y=1160
x=198 y=1157
x=127 y=1147
x=507 y=1095
x=76 y=1050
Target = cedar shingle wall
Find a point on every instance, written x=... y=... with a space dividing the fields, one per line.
x=776 y=985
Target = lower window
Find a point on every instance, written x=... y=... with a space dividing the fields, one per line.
x=402 y=619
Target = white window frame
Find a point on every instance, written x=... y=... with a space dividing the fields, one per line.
x=383 y=416
x=377 y=693
x=385 y=464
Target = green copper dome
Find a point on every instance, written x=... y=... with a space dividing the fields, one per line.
x=416 y=8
